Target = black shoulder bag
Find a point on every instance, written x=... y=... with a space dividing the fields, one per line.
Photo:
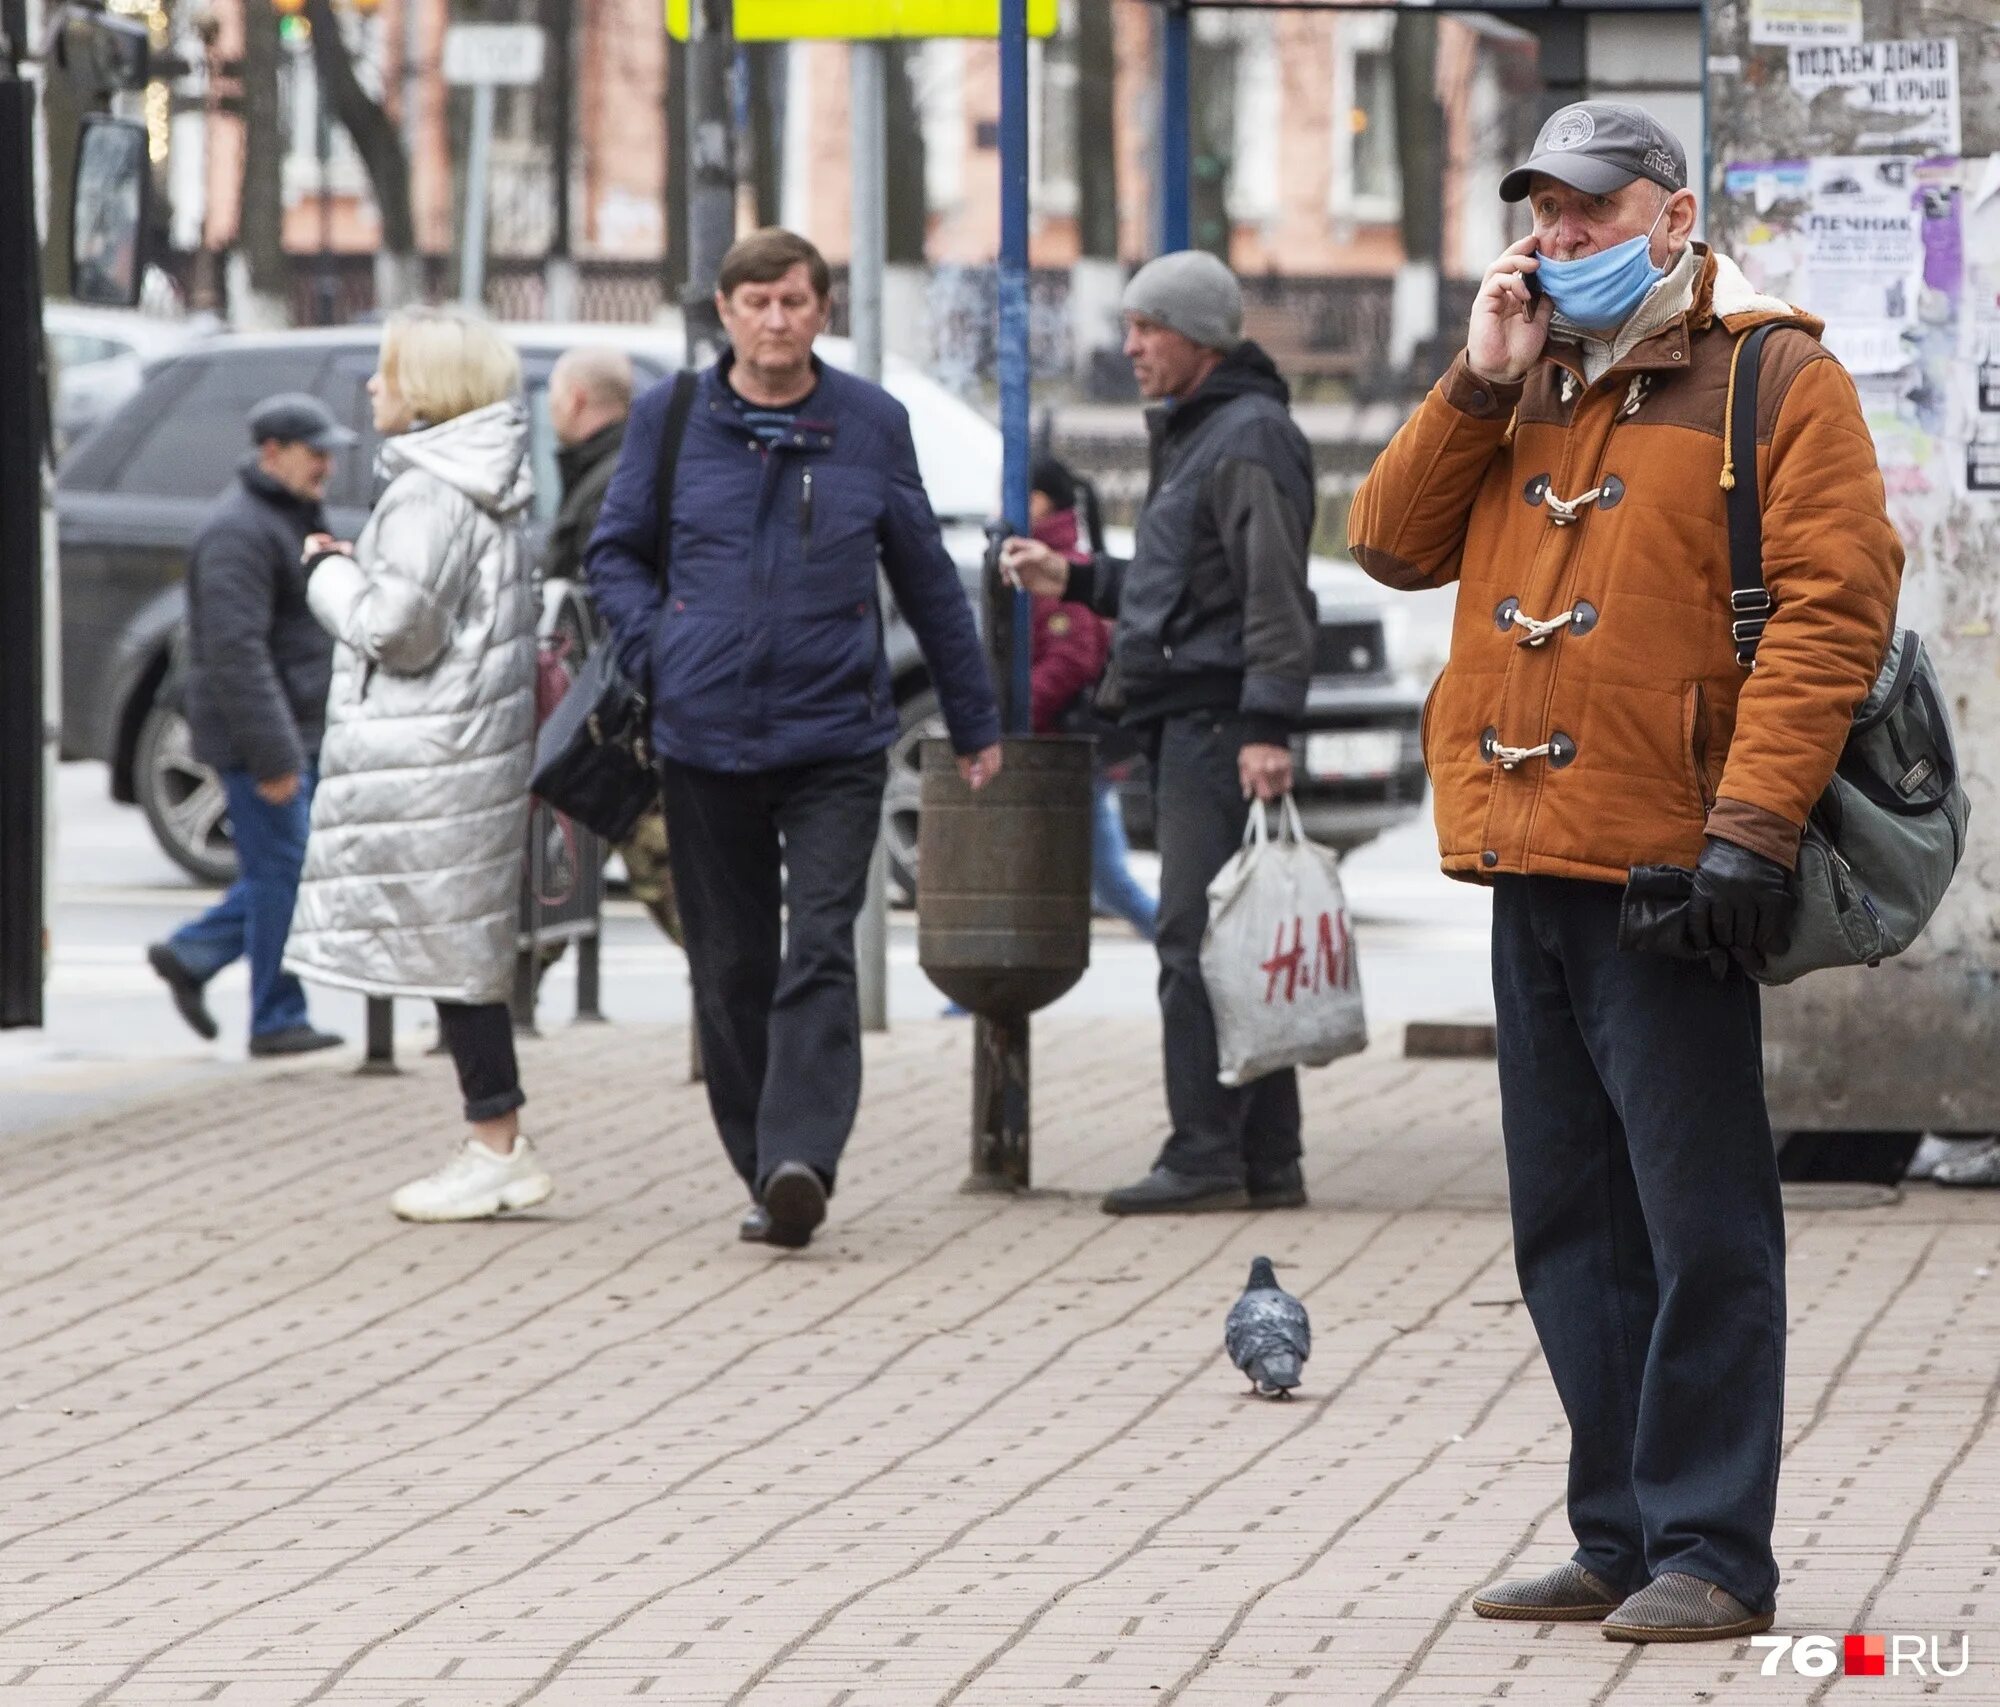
x=1883 y=842
x=593 y=760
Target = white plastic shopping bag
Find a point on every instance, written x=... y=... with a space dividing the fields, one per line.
x=1278 y=955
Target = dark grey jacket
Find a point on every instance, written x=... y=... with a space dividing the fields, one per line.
x=1214 y=610
x=586 y=471
x=258 y=660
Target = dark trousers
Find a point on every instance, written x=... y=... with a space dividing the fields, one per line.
x=1648 y=1233
x=771 y=868
x=1198 y=818
x=253 y=919
x=480 y=1036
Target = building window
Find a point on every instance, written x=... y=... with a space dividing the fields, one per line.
x=1259 y=120
x=1052 y=81
x=1367 y=187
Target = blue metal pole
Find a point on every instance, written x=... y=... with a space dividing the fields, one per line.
x=1176 y=153
x=1014 y=322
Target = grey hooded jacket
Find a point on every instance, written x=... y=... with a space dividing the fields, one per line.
x=413 y=868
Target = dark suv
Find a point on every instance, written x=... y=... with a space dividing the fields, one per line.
x=133 y=493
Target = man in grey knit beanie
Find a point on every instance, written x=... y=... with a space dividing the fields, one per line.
x=1192 y=293
x=1213 y=650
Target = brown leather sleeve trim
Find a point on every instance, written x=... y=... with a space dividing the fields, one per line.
x=1389 y=569
x=1753 y=827
x=1788 y=352
x=1480 y=398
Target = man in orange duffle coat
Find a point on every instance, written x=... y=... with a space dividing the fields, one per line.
x=1569 y=473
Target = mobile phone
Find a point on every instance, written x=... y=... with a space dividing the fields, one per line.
x=1534 y=282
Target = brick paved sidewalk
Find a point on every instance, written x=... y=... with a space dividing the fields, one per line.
x=261 y=1443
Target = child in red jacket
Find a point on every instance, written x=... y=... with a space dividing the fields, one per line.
x=1070 y=647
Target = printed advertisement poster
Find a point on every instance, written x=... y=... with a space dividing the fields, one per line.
x=1904 y=92
x=1863 y=257
x=1780 y=23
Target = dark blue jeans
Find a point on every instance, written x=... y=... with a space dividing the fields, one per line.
x=254 y=917
x=1648 y=1233
x=1113 y=888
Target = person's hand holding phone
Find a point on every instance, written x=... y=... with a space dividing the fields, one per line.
x=1510 y=318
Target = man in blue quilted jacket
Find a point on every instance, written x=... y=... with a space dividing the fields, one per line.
x=773 y=709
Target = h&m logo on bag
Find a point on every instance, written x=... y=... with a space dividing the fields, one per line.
x=1328 y=966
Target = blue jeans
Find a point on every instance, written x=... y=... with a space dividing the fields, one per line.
x=255 y=916
x=1113 y=888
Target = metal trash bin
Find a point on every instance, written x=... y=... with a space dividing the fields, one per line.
x=1003 y=917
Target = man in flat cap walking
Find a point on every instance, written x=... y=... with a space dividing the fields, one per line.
x=258 y=664
x=1599 y=713
x=1213 y=651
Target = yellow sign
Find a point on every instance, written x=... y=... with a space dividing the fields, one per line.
x=866 y=20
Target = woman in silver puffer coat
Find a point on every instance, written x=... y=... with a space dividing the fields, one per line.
x=413 y=865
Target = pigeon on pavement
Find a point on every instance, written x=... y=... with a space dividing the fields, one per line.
x=1267 y=1335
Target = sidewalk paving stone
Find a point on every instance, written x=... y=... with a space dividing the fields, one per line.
x=261 y=1443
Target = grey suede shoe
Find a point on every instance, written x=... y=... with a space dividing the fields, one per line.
x=1676 y=1607
x=1566 y=1595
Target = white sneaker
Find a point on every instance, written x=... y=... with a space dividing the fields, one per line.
x=474 y=1184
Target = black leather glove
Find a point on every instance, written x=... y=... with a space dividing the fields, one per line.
x=1740 y=902
x=1653 y=918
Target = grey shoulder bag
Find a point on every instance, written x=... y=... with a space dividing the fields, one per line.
x=1882 y=843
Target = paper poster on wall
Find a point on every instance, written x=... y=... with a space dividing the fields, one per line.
x=1766 y=183
x=1901 y=95
x=1863 y=257
x=1981 y=220
x=1779 y=23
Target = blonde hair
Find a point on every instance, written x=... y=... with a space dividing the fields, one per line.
x=447 y=363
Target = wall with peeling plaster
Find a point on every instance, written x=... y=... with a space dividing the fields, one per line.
x=1913 y=1044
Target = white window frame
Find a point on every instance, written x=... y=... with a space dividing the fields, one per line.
x=940 y=96
x=1260 y=98
x=299 y=170
x=1360 y=33
x=1051 y=78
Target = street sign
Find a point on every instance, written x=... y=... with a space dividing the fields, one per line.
x=505 y=54
x=867 y=20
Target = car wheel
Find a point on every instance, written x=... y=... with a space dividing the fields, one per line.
x=183 y=799
x=918 y=719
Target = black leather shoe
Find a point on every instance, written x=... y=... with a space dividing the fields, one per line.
x=1164 y=1192
x=186 y=989
x=795 y=1202
x=755 y=1227
x=294 y=1040
x=1285 y=1189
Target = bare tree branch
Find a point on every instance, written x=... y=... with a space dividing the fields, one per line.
x=376 y=137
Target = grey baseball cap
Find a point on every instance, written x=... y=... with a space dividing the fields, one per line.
x=1601 y=146
x=297 y=418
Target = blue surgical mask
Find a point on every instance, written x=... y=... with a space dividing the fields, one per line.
x=1599 y=291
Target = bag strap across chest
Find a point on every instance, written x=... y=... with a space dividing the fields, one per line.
x=680 y=403
x=1749 y=599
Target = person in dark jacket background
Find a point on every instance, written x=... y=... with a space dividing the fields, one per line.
x=258 y=664
x=1071 y=646
x=773 y=708
x=1213 y=649
x=590 y=400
